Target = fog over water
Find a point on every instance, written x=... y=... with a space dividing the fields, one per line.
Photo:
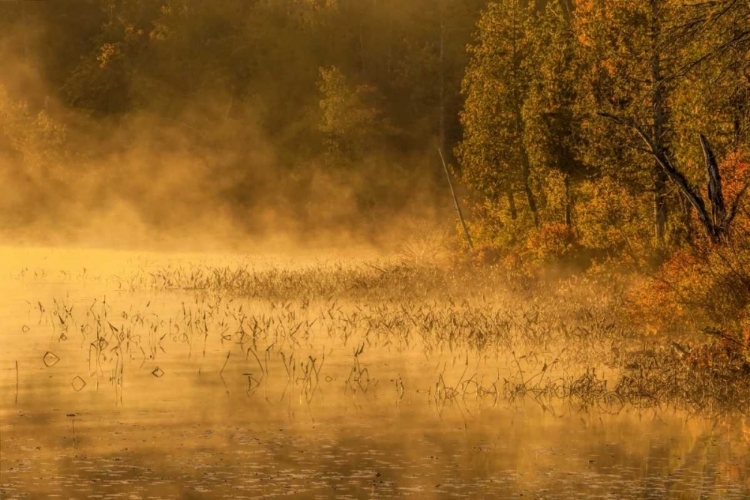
x=127 y=384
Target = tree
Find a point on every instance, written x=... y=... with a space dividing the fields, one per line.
x=718 y=220
x=35 y=138
x=493 y=154
x=549 y=112
x=350 y=118
x=629 y=68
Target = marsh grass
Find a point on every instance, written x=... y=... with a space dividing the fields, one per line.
x=709 y=378
x=278 y=326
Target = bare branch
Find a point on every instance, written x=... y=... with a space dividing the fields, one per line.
x=674 y=175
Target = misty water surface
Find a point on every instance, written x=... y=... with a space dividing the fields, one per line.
x=185 y=394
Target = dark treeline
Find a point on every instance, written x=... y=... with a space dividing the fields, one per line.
x=303 y=113
x=574 y=125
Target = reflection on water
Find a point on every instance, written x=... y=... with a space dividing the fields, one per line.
x=238 y=453
x=152 y=394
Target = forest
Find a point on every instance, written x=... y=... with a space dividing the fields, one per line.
x=602 y=138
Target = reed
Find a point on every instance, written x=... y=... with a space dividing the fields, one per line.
x=283 y=324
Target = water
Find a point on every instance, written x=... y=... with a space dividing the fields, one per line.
x=194 y=394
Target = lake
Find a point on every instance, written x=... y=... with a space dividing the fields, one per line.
x=133 y=375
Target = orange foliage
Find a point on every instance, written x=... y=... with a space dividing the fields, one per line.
x=486 y=256
x=705 y=284
x=735 y=172
x=667 y=298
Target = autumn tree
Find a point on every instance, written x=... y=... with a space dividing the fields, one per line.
x=493 y=154
x=552 y=128
x=630 y=66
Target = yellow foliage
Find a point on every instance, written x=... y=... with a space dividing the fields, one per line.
x=551 y=242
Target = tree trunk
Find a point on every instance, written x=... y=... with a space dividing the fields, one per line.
x=441 y=129
x=568 y=203
x=389 y=63
x=660 y=204
x=659 y=128
x=512 y=204
x=685 y=210
x=526 y=172
x=24 y=30
x=524 y=155
x=739 y=113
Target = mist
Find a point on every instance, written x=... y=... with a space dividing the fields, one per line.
x=224 y=124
